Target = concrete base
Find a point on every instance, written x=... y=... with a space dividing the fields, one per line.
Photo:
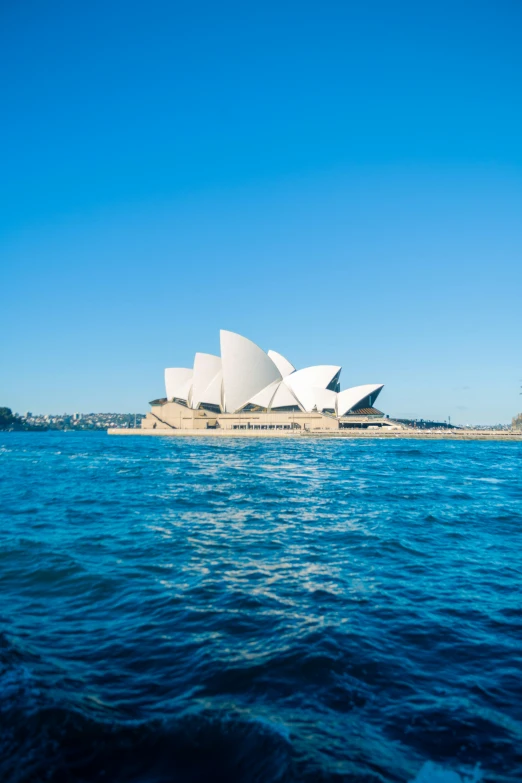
x=386 y=434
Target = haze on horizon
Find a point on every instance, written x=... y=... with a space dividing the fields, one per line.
x=340 y=183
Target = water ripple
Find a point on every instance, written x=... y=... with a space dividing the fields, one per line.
x=186 y=610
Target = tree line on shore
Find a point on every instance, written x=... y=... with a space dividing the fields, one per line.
x=11 y=422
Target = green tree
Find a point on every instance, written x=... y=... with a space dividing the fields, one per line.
x=8 y=421
x=6 y=418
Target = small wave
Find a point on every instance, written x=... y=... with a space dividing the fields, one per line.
x=58 y=744
x=19 y=690
x=345 y=612
x=433 y=773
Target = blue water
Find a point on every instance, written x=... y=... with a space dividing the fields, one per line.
x=259 y=610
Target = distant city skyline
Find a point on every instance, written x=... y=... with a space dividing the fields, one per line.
x=343 y=181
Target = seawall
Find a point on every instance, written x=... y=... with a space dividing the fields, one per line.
x=411 y=434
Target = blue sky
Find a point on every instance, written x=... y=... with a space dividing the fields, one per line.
x=340 y=182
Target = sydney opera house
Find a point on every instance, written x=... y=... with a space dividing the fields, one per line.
x=246 y=388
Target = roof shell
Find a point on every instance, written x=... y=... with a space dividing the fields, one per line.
x=304 y=382
x=350 y=398
x=325 y=399
x=247 y=370
x=214 y=392
x=178 y=382
x=284 y=398
x=206 y=367
x=282 y=364
x=264 y=397
x=245 y=374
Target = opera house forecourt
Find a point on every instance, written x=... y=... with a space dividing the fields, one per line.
x=250 y=390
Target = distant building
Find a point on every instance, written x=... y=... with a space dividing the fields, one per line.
x=246 y=388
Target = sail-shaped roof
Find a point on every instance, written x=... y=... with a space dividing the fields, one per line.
x=206 y=367
x=282 y=364
x=247 y=370
x=246 y=375
x=264 y=397
x=351 y=398
x=178 y=382
x=303 y=382
x=214 y=391
x=284 y=398
x=325 y=399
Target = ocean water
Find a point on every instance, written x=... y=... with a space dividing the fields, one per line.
x=259 y=610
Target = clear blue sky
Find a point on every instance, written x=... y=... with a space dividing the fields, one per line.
x=338 y=181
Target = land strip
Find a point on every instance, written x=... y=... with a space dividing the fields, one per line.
x=412 y=434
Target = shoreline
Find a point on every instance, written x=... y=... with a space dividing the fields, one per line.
x=491 y=435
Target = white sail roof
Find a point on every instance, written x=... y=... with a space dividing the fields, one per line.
x=178 y=382
x=303 y=382
x=245 y=374
x=206 y=367
x=282 y=364
x=284 y=397
x=264 y=397
x=350 y=398
x=325 y=399
x=247 y=370
x=214 y=392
